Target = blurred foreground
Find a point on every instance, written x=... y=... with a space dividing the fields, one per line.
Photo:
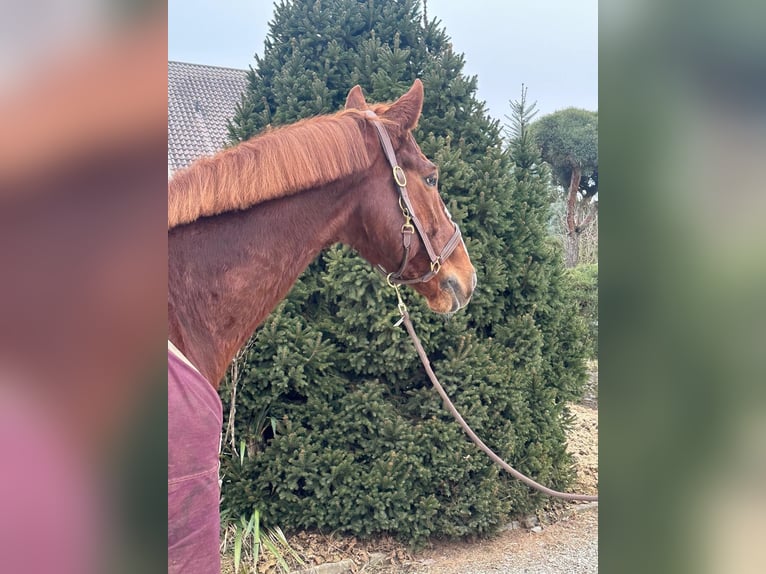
x=83 y=288
x=683 y=277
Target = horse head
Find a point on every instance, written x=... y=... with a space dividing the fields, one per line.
x=404 y=225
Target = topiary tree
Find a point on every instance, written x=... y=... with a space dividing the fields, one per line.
x=568 y=140
x=342 y=427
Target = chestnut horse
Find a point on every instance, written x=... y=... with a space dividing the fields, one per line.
x=245 y=223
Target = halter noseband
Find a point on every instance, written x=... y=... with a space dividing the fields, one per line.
x=411 y=221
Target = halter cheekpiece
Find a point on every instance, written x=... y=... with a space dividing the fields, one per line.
x=412 y=223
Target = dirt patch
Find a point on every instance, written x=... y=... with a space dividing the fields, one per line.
x=316 y=549
x=582 y=444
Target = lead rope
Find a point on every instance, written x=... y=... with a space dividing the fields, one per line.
x=405 y=318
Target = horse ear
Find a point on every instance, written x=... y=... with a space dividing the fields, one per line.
x=355 y=99
x=406 y=110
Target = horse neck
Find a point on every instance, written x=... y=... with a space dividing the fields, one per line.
x=227 y=273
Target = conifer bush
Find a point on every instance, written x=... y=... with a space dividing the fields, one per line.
x=360 y=442
x=584 y=289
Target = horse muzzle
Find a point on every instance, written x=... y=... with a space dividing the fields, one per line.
x=460 y=294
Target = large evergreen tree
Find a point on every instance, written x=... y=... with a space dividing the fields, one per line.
x=343 y=429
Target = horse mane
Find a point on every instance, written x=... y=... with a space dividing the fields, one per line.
x=277 y=163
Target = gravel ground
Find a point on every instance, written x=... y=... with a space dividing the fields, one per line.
x=569 y=546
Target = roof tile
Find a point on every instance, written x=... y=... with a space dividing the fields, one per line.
x=201 y=99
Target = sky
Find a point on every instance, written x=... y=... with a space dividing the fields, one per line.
x=551 y=46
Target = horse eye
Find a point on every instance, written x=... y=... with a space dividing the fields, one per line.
x=431 y=180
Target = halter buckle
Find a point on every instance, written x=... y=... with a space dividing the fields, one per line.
x=436 y=266
x=399 y=177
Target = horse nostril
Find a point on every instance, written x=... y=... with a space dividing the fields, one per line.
x=452 y=283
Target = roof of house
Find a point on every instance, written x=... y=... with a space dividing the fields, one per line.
x=200 y=101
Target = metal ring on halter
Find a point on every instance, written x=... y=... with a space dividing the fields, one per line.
x=399 y=176
x=436 y=266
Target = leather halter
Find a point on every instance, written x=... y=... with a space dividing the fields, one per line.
x=411 y=221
